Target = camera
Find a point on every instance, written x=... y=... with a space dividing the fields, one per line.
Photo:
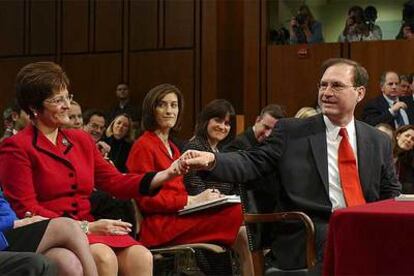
x=301 y=18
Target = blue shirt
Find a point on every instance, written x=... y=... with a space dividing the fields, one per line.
x=7 y=218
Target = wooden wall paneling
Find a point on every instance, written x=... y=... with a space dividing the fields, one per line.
x=230 y=52
x=380 y=56
x=143 y=25
x=208 y=52
x=179 y=23
x=9 y=69
x=252 y=68
x=151 y=68
x=42 y=27
x=12 y=24
x=108 y=25
x=75 y=26
x=94 y=78
x=292 y=81
x=197 y=58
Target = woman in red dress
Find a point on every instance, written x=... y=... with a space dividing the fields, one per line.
x=50 y=171
x=154 y=150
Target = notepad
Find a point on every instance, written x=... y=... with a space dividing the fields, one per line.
x=228 y=199
x=405 y=197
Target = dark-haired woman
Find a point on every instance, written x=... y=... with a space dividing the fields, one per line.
x=51 y=171
x=404 y=157
x=154 y=150
x=214 y=126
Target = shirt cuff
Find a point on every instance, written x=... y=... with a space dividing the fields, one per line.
x=144 y=188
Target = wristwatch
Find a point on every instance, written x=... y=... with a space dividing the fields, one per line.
x=84 y=225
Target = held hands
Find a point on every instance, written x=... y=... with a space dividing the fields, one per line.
x=178 y=167
x=198 y=160
x=207 y=195
x=110 y=227
x=26 y=221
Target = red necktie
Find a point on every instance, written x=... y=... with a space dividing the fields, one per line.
x=348 y=172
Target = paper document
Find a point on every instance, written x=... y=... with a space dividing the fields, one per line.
x=405 y=197
x=208 y=204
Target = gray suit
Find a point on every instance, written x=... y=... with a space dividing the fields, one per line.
x=297 y=153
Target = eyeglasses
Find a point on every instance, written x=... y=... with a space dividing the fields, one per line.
x=60 y=100
x=335 y=86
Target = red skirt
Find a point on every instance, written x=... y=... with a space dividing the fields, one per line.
x=113 y=241
x=218 y=225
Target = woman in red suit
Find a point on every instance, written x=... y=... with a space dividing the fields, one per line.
x=50 y=171
x=161 y=114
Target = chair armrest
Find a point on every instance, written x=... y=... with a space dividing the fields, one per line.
x=292 y=216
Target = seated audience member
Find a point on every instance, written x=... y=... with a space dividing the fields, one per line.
x=388 y=108
x=26 y=263
x=215 y=126
x=371 y=15
x=59 y=239
x=306 y=112
x=14 y=119
x=304 y=28
x=124 y=106
x=355 y=27
x=119 y=137
x=75 y=115
x=407 y=17
x=309 y=157
x=405 y=85
x=162 y=111
x=408 y=30
x=404 y=157
x=51 y=171
x=387 y=129
x=94 y=124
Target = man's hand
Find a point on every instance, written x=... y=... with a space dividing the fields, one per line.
x=198 y=160
x=397 y=106
x=104 y=148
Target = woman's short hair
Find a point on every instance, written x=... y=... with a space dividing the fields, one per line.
x=218 y=108
x=38 y=81
x=110 y=129
x=151 y=101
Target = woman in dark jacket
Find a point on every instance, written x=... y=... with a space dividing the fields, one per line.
x=404 y=157
x=119 y=136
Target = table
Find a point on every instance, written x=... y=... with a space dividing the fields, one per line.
x=371 y=239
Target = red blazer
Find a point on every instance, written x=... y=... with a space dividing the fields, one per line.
x=161 y=224
x=54 y=181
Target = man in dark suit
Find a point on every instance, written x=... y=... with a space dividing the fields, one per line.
x=305 y=154
x=388 y=108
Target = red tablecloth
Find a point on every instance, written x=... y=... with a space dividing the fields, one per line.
x=371 y=239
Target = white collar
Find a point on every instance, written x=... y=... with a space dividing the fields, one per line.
x=332 y=130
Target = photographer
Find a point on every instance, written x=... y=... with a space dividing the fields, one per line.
x=356 y=29
x=304 y=28
x=407 y=20
x=371 y=16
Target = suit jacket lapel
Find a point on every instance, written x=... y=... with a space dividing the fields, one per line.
x=320 y=149
x=365 y=153
x=41 y=143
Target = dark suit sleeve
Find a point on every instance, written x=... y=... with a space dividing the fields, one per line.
x=389 y=186
x=374 y=113
x=242 y=166
x=235 y=145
